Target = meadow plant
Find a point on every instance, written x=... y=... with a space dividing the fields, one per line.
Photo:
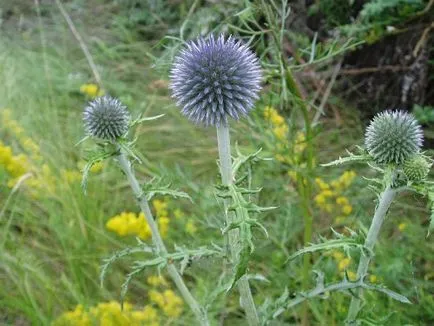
x=393 y=143
x=108 y=120
x=213 y=79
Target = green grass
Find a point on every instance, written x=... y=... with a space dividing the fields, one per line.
x=51 y=247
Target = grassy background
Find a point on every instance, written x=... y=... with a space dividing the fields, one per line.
x=51 y=247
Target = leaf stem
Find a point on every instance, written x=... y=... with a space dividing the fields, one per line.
x=384 y=203
x=224 y=147
x=126 y=167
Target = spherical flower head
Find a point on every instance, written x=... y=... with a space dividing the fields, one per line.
x=106 y=118
x=213 y=78
x=393 y=137
x=416 y=168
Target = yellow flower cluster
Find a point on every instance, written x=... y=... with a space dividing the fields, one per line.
x=190 y=227
x=344 y=262
x=166 y=300
x=14 y=128
x=280 y=127
x=109 y=314
x=286 y=152
x=330 y=198
x=163 y=302
x=128 y=223
x=91 y=90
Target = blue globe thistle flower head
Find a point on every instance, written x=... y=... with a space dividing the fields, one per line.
x=215 y=78
x=106 y=118
x=393 y=137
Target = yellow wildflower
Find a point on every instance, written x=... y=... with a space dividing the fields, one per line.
x=168 y=301
x=402 y=226
x=373 y=278
x=174 y=304
x=178 y=214
x=97 y=167
x=157 y=297
x=351 y=275
x=190 y=227
x=156 y=280
x=160 y=207
x=344 y=263
x=300 y=142
x=338 y=255
x=347 y=209
x=281 y=132
x=91 y=90
x=163 y=225
x=321 y=184
x=341 y=200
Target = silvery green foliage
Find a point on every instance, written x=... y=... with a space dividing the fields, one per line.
x=106 y=118
x=416 y=168
x=213 y=78
x=393 y=137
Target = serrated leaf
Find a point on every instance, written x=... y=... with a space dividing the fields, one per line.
x=96 y=156
x=355 y=240
x=120 y=254
x=351 y=158
x=141 y=119
x=156 y=187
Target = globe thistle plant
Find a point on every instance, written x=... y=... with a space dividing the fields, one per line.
x=106 y=118
x=393 y=137
x=215 y=78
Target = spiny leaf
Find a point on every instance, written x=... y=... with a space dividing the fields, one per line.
x=142 y=247
x=128 y=147
x=351 y=158
x=354 y=240
x=141 y=119
x=103 y=153
x=156 y=187
x=345 y=285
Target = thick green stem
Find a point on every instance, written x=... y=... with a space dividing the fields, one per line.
x=224 y=146
x=158 y=241
x=384 y=203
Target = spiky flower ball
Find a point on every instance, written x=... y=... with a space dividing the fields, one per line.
x=215 y=78
x=106 y=118
x=416 y=168
x=393 y=137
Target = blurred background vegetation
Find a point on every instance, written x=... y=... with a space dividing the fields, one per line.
x=349 y=59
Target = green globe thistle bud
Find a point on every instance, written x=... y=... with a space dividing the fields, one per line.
x=393 y=137
x=106 y=118
x=416 y=168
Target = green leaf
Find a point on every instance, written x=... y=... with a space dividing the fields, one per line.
x=103 y=153
x=142 y=247
x=157 y=187
x=141 y=119
x=355 y=240
x=241 y=266
x=351 y=158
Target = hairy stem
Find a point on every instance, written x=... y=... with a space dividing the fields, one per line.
x=384 y=203
x=158 y=241
x=224 y=146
